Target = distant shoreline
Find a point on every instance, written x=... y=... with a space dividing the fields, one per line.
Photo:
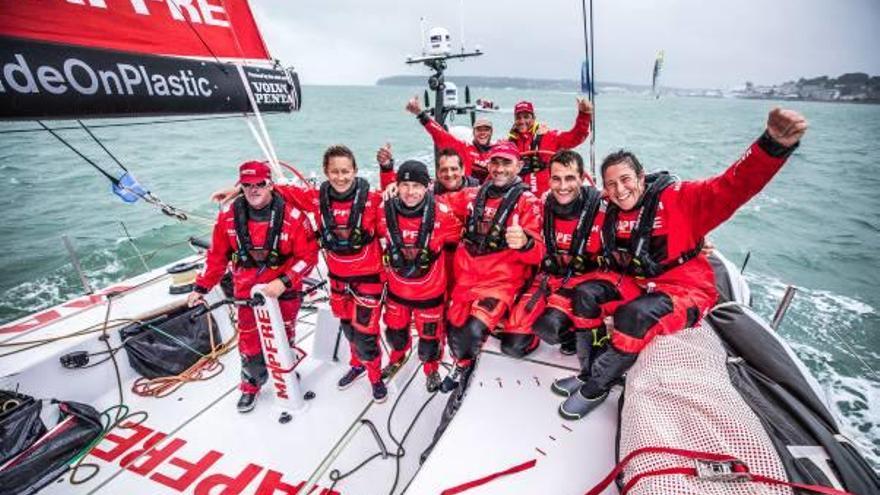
x=785 y=92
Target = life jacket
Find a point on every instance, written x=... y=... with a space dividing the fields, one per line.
x=575 y=261
x=247 y=255
x=351 y=238
x=637 y=259
x=413 y=260
x=532 y=161
x=482 y=237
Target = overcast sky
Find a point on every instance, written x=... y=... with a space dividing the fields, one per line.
x=707 y=43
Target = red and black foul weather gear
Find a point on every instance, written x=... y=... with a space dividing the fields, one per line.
x=488 y=273
x=657 y=244
x=276 y=242
x=474 y=156
x=347 y=226
x=415 y=270
x=537 y=146
x=570 y=272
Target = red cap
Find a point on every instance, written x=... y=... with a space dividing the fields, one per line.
x=504 y=149
x=524 y=106
x=253 y=172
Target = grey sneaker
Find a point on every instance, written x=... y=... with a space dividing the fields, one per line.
x=246 y=402
x=566 y=386
x=576 y=406
x=380 y=392
x=353 y=374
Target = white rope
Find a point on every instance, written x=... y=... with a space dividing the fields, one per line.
x=266 y=143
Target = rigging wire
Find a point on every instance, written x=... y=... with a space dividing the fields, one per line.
x=126 y=124
x=147 y=196
x=589 y=55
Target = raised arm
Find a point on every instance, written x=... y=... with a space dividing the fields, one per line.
x=573 y=137
x=716 y=199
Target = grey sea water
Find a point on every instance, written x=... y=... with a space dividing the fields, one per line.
x=816 y=226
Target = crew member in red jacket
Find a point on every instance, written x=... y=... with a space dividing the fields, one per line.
x=572 y=216
x=268 y=241
x=450 y=177
x=474 y=154
x=414 y=230
x=501 y=246
x=537 y=144
x=347 y=214
x=653 y=232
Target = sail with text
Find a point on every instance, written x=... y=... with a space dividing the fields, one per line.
x=655 y=79
x=114 y=58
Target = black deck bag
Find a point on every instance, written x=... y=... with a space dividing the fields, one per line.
x=170 y=344
x=20 y=423
x=774 y=387
x=50 y=455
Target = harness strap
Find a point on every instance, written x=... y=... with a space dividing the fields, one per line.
x=243 y=235
x=417 y=303
x=708 y=466
x=499 y=220
x=355 y=218
x=580 y=236
x=405 y=267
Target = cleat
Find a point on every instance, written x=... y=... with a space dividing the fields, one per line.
x=353 y=374
x=380 y=392
x=246 y=402
x=566 y=386
x=432 y=382
x=577 y=406
x=391 y=369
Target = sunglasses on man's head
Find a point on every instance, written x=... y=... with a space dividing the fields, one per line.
x=258 y=185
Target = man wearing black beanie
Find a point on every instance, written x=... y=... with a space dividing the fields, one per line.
x=414 y=229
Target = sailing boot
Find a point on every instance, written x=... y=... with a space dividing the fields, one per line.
x=605 y=371
x=391 y=369
x=246 y=402
x=450 y=383
x=568 y=347
x=432 y=382
x=353 y=374
x=578 y=405
x=380 y=392
x=567 y=386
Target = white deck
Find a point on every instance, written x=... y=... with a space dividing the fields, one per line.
x=195 y=440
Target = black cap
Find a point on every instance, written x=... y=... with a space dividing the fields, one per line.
x=415 y=171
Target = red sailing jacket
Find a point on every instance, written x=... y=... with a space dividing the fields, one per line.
x=474 y=157
x=343 y=267
x=297 y=245
x=447 y=230
x=689 y=210
x=546 y=144
x=501 y=274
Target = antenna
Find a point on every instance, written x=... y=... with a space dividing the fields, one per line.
x=461 y=23
x=422 y=28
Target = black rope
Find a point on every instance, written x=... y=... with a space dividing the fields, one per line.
x=126 y=124
x=112 y=179
x=336 y=476
x=95 y=139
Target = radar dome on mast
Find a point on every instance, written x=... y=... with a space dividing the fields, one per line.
x=439 y=42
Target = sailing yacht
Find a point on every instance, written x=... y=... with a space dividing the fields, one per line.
x=80 y=414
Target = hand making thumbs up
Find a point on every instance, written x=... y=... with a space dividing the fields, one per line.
x=514 y=235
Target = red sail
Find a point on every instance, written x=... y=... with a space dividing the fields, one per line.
x=190 y=28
